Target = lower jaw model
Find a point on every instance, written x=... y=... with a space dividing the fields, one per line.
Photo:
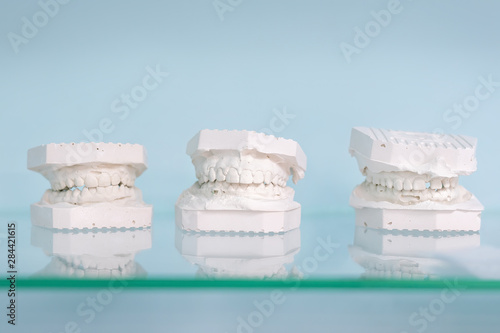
x=92 y=186
x=412 y=180
x=241 y=171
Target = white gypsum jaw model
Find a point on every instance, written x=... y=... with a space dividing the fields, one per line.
x=241 y=170
x=95 y=179
x=420 y=171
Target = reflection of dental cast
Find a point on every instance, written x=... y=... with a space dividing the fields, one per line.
x=241 y=171
x=95 y=254
x=91 y=190
x=408 y=256
x=248 y=256
x=414 y=171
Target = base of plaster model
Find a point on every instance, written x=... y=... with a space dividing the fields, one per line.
x=414 y=172
x=241 y=185
x=92 y=186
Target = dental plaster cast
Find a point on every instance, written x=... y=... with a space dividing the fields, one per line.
x=224 y=255
x=414 y=171
x=412 y=255
x=94 y=254
x=92 y=186
x=241 y=171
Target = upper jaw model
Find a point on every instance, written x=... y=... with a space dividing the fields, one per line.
x=415 y=171
x=241 y=171
x=92 y=185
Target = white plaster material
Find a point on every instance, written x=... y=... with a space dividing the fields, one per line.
x=241 y=171
x=415 y=171
x=94 y=254
x=413 y=255
x=92 y=185
x=236 y=255
x=237 y=220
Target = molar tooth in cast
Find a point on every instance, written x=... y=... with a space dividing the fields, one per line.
x=246 y=177
x=85 y=193
x=212 y=175
x=407 y=185
x=204 y=179
x=389 y=183
x=100 y=190
x=115 y=179
x=454 y=182
x=70 y=183
x=220 y=175
x=104 y=179
x=419 y=184
x=91 y=181
x=258 y=177
x=275 y=180
x=232 y=176
x=268 y=177
x=75 y=193
x=446 y=182
x=93 y=190
x=79 y=182
x=436 y=184
x=382 y=182
x=398 y=184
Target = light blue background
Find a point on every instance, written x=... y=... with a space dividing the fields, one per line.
x=232 y=74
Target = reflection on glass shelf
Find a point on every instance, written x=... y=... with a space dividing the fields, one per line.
x=240 y=255
x=103 y=253
x=410 y=255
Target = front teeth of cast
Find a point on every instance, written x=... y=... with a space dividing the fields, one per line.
x=92 y=179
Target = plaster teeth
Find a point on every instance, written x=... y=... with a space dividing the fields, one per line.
x=436 y=184
x=212 y=176
x=115 y=179
x=258 y=177
x=91 y=181
x=419 y=184
x=104 y=179
x=398 y=184
x=275 y=180
x=79 y=182
x=232 y=176
x=267 y=177
x=246 y=177
x=220 y=175
x=446 y=182
x=407 y=185
x=454 y=182
x=70 y=183
x=389 y=183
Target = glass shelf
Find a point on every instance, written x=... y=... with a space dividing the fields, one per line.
x=327 y=251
